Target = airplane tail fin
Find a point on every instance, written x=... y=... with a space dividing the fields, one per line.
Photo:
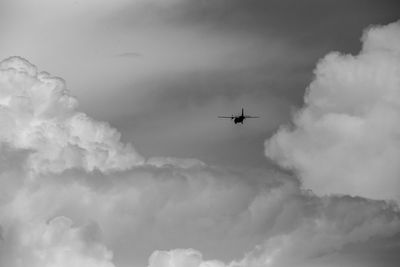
x=242 y=112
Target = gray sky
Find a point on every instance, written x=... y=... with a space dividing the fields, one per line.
x=132 y=167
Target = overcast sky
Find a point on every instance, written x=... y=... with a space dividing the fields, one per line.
x=123 y=161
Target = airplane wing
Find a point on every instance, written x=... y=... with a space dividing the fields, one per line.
x=225 y=117
x=248 y=117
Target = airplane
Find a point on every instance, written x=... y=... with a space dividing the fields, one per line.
x=238 y=118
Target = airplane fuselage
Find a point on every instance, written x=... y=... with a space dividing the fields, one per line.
x=238 y=119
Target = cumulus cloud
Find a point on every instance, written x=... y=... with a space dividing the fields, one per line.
x=346 y=138
x=38 y=113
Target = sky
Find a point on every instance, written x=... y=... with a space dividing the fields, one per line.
x=112 y=153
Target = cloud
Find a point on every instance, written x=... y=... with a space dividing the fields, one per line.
x=155 y=207
x=181 y=258
x=57 y=243
x=345 y=140
x=38 y=113
x=337 y=221
x=175 y=162
x=331 y=223
x=131 y=214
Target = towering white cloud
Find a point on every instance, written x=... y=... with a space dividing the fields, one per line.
x=346 y=139
x=37 y=113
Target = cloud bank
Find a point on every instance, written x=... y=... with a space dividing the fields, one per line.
x=73 y=195
x=59 y=243
x=346 y=138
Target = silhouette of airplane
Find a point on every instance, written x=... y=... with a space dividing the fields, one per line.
x=238 y=118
